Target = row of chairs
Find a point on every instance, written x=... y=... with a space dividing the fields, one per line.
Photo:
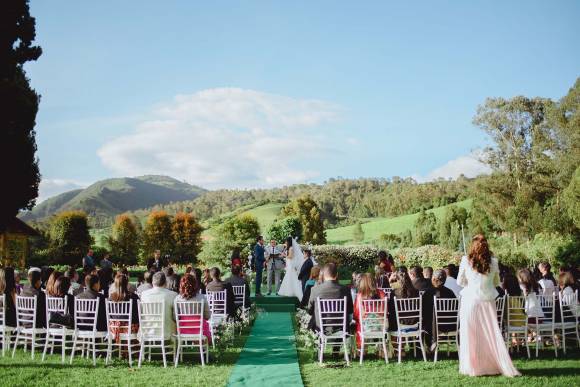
x=188 y=317
x=332 y=321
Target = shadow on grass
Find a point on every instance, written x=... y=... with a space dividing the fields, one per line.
x=551 y=372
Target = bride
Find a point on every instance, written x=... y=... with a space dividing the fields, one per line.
x=291 y=285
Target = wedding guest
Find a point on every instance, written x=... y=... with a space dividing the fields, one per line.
x=147 y=283
x=428 y=273
x=529 y=288
x=75 y=287
x=50 y=288
x=206 y=279
x=329 y=289
x=92 y=292
x=382 y=277
x=451 y=282
x=124 y=271
x=171 y=278
x=17 y=279
x=237 y=280
x=386 y=261
x=404 y=289
x=547 y=281
x=156 y=263
x=89 y=260
x=45 y=273
x=440 y=291
x=236 y=259
x=419 y=282
x=189 y=291
x=62 y=286
x=160 y=293
x=367 y=290
x=106 y=279
x=312 y=281
x=353 y=286
x=33 y=289
x=217 y=285
x=198 y=277
x=122 y=293
x=8 y=288
x=304 y=274
x=567 y=284
x=106 y=262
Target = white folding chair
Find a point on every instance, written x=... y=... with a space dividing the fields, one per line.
x=217 y=304
x=5 y=330
x=547 y=324
x=331 y=318
x=119 y=319
x=516 y=321
x=569 y=318
x=240 y=297
x=408 y=309
x=446 y=311
x=500 y=309
x=189 y=320
x=387 y=292
x=373 y=325
x=26 y=323
x=85 y=333
x=152 y=329
x=56 y=333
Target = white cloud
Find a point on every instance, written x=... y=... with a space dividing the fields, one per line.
x=53 y=187
x=468 y=165
x=226 y=137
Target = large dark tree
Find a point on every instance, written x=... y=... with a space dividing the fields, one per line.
x=18 y=107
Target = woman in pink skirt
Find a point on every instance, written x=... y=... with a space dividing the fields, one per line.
x=482 y=350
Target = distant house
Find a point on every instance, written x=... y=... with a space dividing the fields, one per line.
x=14 y=243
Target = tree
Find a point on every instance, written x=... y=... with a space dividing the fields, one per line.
x=358 y=234
x=389 y=241
x=450 y=227
x=307 y=211
x=282 y=229
x=18 y=110
x=157 y=234
x=425 y=229
x=572 y=198
x=69 y=236
x=186 y=233
x=125 y=240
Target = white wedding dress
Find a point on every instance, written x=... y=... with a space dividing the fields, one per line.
x=291 y=285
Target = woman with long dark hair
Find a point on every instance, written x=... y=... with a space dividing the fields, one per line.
x=482 y=350
x=8 y=287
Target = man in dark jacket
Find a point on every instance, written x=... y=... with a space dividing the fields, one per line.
x=304 y=274
x=439 y=291
x=329 y=289
x=259 y=260
x=32 y=290
x=217 y=285
x=93 y=286
x=419 y=282
x=236 y=280
x=156 y=263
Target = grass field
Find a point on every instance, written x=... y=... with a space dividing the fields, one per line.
x=373 y=228
x=266 y=214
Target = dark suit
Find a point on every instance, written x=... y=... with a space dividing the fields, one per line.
x=304 y=274
x=428 y=307
x=259 y=260
x=218 y=286
x=30 y=291
x=90 y=294
x=156 y=265
x=422 y=284
x=239 y=281
x=326 y=291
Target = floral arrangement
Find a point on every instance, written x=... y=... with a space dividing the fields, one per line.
x=225 y=331
x=305 y=337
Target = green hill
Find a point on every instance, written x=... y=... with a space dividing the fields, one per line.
x=373 y=228
x=265 y=214
x=107 y=198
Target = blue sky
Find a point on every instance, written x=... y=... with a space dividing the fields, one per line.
x=249 y=94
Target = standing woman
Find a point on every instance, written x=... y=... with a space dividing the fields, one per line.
x=482 y=350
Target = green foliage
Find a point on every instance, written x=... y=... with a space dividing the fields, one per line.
x=353 y=258
x=186 y=233
x=425 y=229
x=306 y=210
x=358 y=235
x=125 y=240
x=282 y=229
x=157 y=234
x=571 y=198
x=390 y=241
x=430 y=255
x=19 y=108
x=450 y=227
x=69 y=237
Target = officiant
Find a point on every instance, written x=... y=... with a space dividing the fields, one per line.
x=274 y=265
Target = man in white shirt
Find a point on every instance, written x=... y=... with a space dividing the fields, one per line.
x=451 y=281
x=160 y=293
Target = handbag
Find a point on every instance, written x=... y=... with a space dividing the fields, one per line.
x=57 y=318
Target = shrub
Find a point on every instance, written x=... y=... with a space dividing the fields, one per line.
x=429 y=255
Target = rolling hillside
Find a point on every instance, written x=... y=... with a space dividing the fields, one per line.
x=107 y=198
x=373 y=228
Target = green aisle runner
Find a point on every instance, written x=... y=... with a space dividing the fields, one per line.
x=269 y=357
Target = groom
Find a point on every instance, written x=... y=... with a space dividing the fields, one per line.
x=274 y=265
x=259 y=263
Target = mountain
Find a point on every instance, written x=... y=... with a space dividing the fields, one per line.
x=107 y=198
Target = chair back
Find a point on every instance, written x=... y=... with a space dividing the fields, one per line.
x=26 y=312
x=446 y=313
x=2 y=309
x=387 y=292
x=500 y=310
x=217 y=303
x=569 y=307
x=55 y=305
x=516 y=311
x=408 y=310
x=240 y=295
x=547 y=302
x=331 y=315
x=189 y=317
x=86 y=314
x=119 y=313
x=152 y=320
x=373 y=316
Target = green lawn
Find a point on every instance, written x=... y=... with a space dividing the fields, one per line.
x=373 y=228
x=266 y=214
x=545 y=371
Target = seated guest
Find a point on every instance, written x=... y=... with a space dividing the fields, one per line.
x=312 y=281
x=34 y=289
x=529 y=288
x=404 y=289
x=92 y=292
x=329 y=289
x=62 y=287
x=419 y=282
x=386 y=262
x=236 y=259
x=75 y=287
x=105 y=279
x=382 y=278
x=172 y=279
x=440 y=291
x=567 y=284
x=45 y=273
x=451 y=271
x=367 y=290
x=160 y=293
x=217 y=285
x=206 y=278
x=50 y=288
x=428 y=273
x=236 y=280
x=122 y=293
x=17 y=279
x=130 y=286
x=147 y=283
x=189 y=291
x=199 y=278
x=354 y=284
x=547 y=281
x=7 y=287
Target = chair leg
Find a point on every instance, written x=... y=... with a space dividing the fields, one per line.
x=385 y=351
x=109 y=350
x=141 y=354
x=16 y=343
x=63 y=348
x=47 y=340
x=400 y=344
x=94 y=352
x=176 y=355
x=74 y=346
x=422 y=349
x=163 y=354
x=201 y=354
x=362 y=349
x=33 y=344
x=129 y=349
x=345 y=351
